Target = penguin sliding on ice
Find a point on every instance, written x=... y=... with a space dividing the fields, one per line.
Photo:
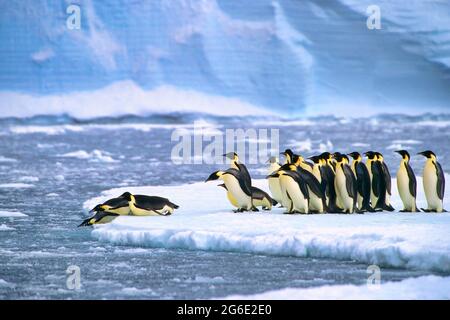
x=345 y=183
x=433 y=183
x=406 y=183
x=362 y=181
x=141 y=205
x=235 y=184
x=107 y=211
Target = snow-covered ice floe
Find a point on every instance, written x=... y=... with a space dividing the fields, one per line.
x=421 y=288
x=205 y=221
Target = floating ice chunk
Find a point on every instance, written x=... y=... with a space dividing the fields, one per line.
x=11 y=214
x=423 y=288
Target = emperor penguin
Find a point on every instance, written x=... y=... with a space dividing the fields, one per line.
x=100 y=217
x=299 y=161
x=237 y=187
x=345 y=183
x=406 y=183
x=288 y=156
x=362 y=181
x=328 y=178
x=107 y=211
x=142 y=205
x=295 y=195
x=236 y=164
x=260 y=198
x=387 y=181
x=274 y=183
x=317 y=166
x=433 y=183
x=317 y=200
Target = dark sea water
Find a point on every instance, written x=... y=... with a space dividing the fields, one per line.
x=50 y=166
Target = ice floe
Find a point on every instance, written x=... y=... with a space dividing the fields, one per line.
x=423 y=288
x=14 y=214
x=205 y=221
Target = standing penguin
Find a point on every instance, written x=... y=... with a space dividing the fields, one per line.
x=328 y=177
x=406 y=183
x=274 y=183
x=345 y=183
x=363 y=182
x=387 y=181
x=433 y=183
x=260 y=198
x=236 y=164
x=295 y=195
x=236 y=185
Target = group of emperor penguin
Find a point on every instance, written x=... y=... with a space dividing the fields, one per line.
x=130 y=204
x=331 y=183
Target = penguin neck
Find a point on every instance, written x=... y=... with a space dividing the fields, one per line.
x=132 y=199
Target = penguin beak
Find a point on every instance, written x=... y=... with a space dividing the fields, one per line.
x=213 y=176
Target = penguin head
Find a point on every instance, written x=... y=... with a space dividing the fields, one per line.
x=214 y=176
x=403 y=153
x=339 y=157
x=272 y=160
x=370 y=155
x=326 y=156
x=315 y=159
x=428 y=154
x=355 y=155
x=288 y=154
x=231 y=155
x=127 y=196
x=297 y=159
x=379 y=156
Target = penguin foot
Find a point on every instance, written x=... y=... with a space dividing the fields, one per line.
x=389 y=208
x=425 y=210
x=254 y=209
x=266 y=209
x=287 y=212
x=360 y=211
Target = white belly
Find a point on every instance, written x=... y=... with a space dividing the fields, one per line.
x=430 y=187
x=409 y=202
x=285 y=201
x=275 y=189
x=299 y=203
x=315 y=203
x=243 y=200
x=341 y=191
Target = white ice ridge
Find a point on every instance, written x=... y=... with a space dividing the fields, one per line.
x=205 y=221
x=421 y=288
x=4 y=214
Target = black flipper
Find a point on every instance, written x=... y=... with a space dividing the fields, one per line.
x=440 y=181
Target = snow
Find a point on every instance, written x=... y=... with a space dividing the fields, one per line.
x=205 y=221
x=4 y=227
x=421 y=288
x=4 y=213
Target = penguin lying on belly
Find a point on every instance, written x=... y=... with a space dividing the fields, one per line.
x=128 y=204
